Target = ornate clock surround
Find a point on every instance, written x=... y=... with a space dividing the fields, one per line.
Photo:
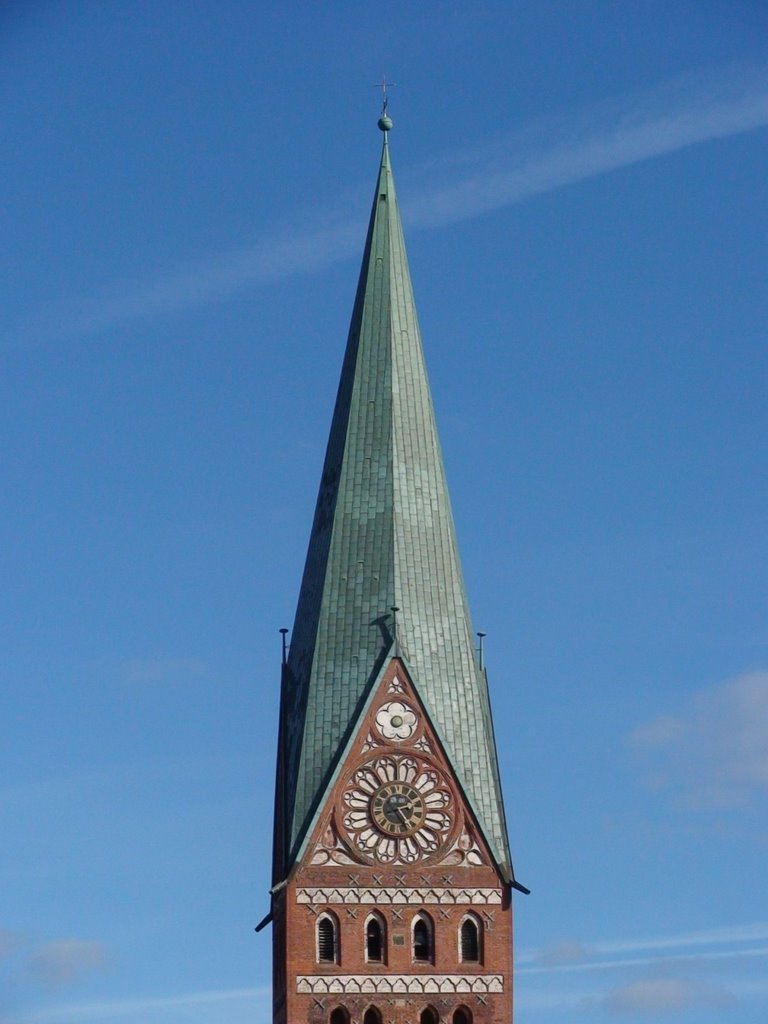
x=396 y=803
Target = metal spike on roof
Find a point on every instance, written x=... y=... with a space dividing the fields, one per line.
x=383 y=537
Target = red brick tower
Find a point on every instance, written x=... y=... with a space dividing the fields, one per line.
x=391 y=898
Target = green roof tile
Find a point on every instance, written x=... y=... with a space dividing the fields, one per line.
x=383 y=536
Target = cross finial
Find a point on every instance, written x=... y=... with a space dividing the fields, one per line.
x=384 y=85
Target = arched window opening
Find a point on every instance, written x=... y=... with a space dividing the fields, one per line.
x=429 y=1015
x=422 y=939
x=327 y=940
x=372 y=1016
x=374 y=939
x=340 y=1016
x=469 y=940
x=462 y=1016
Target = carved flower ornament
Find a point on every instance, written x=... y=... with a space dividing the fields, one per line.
x=396 y=721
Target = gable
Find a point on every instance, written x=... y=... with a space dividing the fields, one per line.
x=396 y=799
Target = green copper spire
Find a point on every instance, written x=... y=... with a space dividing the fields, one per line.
x=382 y=538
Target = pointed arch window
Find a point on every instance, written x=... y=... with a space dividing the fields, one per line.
x=372 y=1016
x=429 y=1015
x=375 y=939
x=469 y=940
x=422 y=948
x=327 y=939
x=462 y=1016
x=340 y=1016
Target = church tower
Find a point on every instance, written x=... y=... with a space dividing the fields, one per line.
x=392 y=875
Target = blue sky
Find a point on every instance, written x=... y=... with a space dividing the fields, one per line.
x=185 y=189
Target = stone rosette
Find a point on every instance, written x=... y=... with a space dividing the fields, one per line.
x=396 y=721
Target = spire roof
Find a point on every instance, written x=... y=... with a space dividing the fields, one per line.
x=383 y=538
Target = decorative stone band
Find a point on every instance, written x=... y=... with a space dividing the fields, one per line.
x=386 y=897
x=411 y=984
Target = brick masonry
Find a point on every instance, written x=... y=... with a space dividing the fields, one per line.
x=336 y=878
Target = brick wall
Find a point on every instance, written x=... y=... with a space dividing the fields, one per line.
x=458 y=880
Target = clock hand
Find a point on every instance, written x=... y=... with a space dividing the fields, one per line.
x=401 y=808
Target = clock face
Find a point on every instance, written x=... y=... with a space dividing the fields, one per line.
x=397 y=808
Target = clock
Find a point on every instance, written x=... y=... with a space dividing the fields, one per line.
x=397 y=809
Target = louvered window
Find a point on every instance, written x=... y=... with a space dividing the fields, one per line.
x=422 y=941
x=470 y=941
x=327 y=945
x=374 y=941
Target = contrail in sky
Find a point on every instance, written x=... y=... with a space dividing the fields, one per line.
x=710 y=944
x=205 y=1006
x=597 y=141
x=248 y=1001
x=543 y=157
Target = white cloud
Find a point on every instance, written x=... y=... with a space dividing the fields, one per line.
x=714 y=753
x=563 y=953
x=654 y=997
x=544 y=157
x=65 y=961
